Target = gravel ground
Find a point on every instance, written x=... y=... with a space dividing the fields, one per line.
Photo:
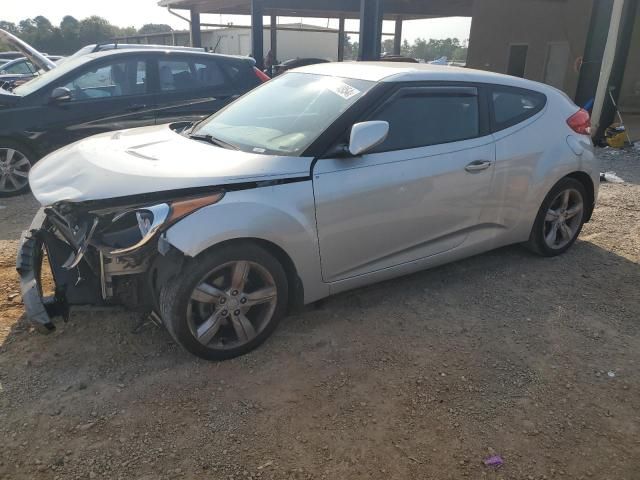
x=422 y=377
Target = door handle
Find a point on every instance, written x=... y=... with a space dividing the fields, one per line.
x=478 y=166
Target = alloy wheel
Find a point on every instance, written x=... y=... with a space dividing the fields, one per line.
x=563 y=219
x=14 y=170
x=232 y=305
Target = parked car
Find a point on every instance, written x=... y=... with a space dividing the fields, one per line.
x=10 y=55
x=323 y=180
x=103 y=47
x=112 y=90
x=296 y=63
x=398 y=59
x=22 y=70
x=38 y=60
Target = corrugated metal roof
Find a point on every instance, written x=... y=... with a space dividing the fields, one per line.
x=329 y=8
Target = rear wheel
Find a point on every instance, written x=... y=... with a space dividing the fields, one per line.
x=560 y=219
x=15 y=164
x=226 y=302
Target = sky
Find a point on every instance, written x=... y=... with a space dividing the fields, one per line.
x=136 y=13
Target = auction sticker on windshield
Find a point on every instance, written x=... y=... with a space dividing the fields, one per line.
x=343 y=90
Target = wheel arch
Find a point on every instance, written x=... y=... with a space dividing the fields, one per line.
x=24 y=142
x=589 y=187
x=296 y=286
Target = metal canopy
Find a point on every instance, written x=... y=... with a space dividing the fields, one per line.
x=407 y=9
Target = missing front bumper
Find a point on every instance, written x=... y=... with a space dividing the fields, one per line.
x=79 y=286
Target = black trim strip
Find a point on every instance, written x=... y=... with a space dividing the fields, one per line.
x=146 y=199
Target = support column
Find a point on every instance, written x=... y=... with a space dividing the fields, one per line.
x=613 y=66
x=341 y=39
x=274 y=39
x=196 y=32
x=397 y=38
x=257 y=32
x=594 y=51
x=371 y=15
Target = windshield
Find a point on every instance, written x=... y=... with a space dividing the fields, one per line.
x=44 y=78
x=286 y=115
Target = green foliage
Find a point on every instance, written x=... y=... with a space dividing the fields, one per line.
x=70 y=35
x=452 y=48
x=155 y=28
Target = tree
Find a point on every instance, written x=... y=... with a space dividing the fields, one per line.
x=387 y=46
x=11 y=28
x=155 y=28
x=433 y=49
x=95 y=30
x=70 y=32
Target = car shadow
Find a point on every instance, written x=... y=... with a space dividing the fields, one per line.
x=495 y=281
x=15 y=215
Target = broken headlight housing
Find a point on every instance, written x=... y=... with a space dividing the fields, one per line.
x=136 y=227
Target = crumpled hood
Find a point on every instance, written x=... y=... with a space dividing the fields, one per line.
x=146 y=160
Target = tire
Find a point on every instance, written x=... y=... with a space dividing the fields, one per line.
x=16 y=161
x=205 y=300
x=557 y=213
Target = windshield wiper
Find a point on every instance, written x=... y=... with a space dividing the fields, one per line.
x=213 y=141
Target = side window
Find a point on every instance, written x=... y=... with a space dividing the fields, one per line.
x=208 y=73
x=176 y=75
x=111 y=80
x=514 y=105
x=240 y=75
x=421 y=119
x=20 y=68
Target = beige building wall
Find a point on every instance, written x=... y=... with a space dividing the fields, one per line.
x=630 y=93
x=554 y=30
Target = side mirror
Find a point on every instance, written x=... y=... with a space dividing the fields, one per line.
x=367 y=135
x=61 y=94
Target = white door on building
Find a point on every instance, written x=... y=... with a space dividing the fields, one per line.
x=245 y=44
x=557 y=64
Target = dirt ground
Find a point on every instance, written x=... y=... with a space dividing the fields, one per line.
x=422 y=377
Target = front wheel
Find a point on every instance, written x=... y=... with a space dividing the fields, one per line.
x=226 y=302
x=560 y=219
x=15 y=164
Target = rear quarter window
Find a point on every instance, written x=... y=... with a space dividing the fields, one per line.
x=511 y=106
x=241 y=75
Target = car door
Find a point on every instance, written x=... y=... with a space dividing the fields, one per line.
x=191 y=87
x=109 y=94
x=418 y=194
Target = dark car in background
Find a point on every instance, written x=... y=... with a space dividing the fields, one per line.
x=112 y=90
x=11 y=55
x=296 y=63
x=22 y=69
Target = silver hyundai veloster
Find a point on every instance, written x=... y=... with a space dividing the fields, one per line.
x=325 y=179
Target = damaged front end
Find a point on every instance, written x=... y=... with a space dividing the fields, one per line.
x=101 y=253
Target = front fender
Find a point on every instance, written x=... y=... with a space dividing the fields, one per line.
x=281 y=214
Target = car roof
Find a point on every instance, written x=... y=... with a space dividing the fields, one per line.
x=411 y=72
x=151 y=51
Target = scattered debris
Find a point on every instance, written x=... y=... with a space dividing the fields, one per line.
x=610 y=177
x=611 y=374
x=268 y=464
x=495 y=461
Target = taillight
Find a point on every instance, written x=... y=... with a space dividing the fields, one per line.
x=261 y=75
x=580 y=122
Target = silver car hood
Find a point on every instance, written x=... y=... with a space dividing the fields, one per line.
x=147 y=160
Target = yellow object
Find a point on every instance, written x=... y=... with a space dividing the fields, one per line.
x=616 y=136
